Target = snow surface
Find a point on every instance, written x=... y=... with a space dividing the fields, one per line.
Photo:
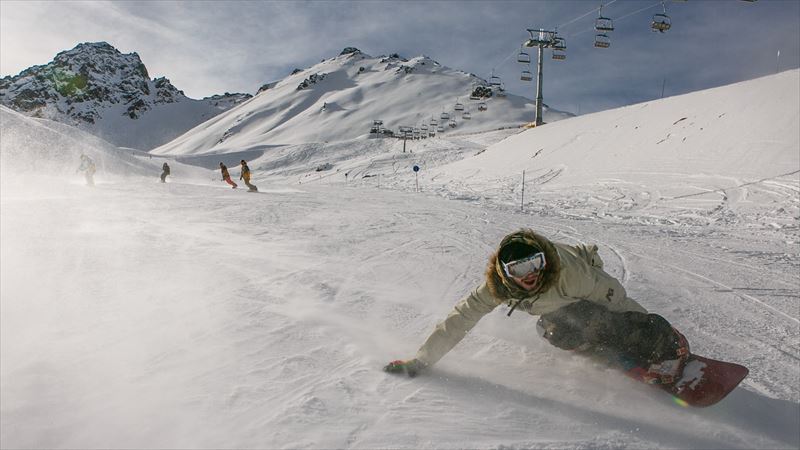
x=137 y=314
x=350 y=91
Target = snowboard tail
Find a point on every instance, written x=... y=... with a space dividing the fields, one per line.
x=703 y=381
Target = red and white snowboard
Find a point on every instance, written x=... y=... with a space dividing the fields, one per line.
x=703 y=382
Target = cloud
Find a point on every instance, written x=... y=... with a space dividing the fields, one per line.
x=212 y=47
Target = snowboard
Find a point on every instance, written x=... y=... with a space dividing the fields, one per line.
x=703 y=381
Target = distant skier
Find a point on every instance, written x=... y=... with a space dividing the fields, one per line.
x=246 y=177
x=88 y=168
x=226 y=177
x=164 y=172
x=581 y=308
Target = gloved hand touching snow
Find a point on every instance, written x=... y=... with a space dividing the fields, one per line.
x=410 y=367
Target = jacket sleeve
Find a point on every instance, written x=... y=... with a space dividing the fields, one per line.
x=458 y=323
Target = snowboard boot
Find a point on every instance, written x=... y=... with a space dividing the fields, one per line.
x=665 y=371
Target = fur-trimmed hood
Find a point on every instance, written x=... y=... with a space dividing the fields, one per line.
x=505 y=289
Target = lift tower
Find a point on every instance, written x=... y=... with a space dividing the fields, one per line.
x=541 y=39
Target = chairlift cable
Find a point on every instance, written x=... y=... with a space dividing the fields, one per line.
x=505 y=59
x=643 y=9
x=560 y=26
x=660 y=2
x=584 y=15
x=616 y=20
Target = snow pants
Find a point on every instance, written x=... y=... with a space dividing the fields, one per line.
x=246 y=178
x=164 y=177
x=594 y=331
x=229 y=181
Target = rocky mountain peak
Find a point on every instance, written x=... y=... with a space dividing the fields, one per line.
x=93 y=81
x=349 y=51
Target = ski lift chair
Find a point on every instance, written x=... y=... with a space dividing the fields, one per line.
x=482 y=106
x=559 y=43
x=526 y=75
x=444 y=115
x=603 y=24
x=440 y=129
x=453 y=123
x=459 y=106
x=523 y=57
x=494 y=81
x=559 y=55
x=466 y=115
x=660 y=23
x=602 y=41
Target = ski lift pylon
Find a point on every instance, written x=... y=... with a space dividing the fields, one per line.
x=539 y=38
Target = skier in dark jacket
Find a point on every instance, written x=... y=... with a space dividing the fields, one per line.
x=246 y=177
x=580 y=308
x=88 y=168
x=226 y=177
x=164 y=172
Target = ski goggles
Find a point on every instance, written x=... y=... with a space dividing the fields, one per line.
x=525 y=266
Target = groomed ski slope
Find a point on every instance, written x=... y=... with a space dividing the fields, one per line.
x=145 y=315
x=141 y=315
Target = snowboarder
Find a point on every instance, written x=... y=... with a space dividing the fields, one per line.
x=246 y=176
x=581 y=308
x=226 y=177
x=164 y=172
x=88 y=168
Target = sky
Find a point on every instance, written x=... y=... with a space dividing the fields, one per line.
x=208 y=48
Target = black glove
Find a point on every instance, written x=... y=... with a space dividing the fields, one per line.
x=411 y=367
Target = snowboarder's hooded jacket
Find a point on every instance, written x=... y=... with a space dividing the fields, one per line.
x=573 y=273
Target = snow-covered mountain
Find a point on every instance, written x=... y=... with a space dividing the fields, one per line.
x=340 y=98
x=109 y=94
